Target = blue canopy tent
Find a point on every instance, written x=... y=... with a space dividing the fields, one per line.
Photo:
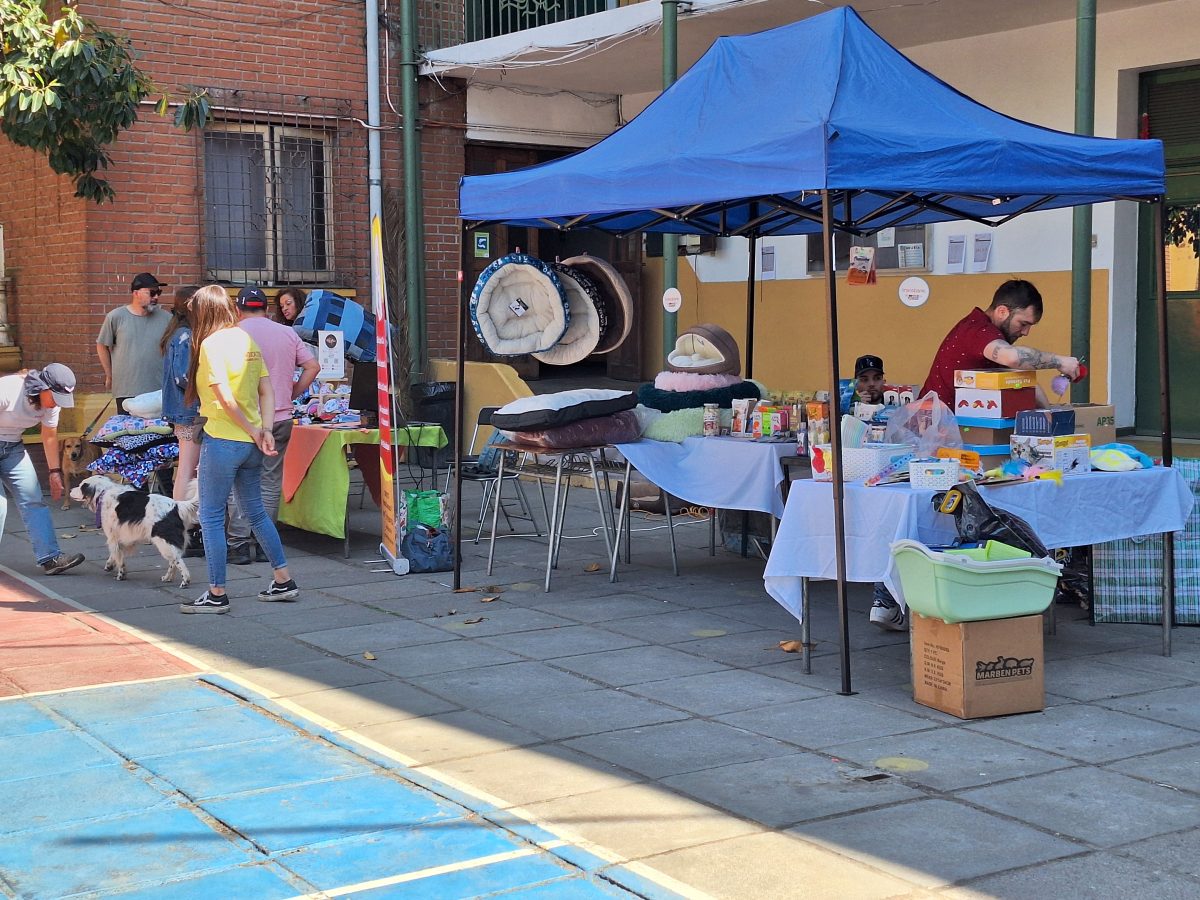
x=816 y=127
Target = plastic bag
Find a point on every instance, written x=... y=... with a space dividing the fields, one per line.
x=925 y=424
x=422 y=508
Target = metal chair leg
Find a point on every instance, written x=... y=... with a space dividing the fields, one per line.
x=608 y=544
x=496 y=512
x=622 y=527
x=805 y=628
x=555 y=524
x=712 y=531
x=671 y=532
x=562 y=517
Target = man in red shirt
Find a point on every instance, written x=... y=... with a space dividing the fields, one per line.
x=984 y=339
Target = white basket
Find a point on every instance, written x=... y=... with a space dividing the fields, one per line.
x=860 y=463
x=933 y=474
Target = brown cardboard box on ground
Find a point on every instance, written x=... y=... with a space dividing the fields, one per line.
x=975 y=669
x=1097 y=420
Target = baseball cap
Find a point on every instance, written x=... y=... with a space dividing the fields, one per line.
x=867 y=364
x=61 y=382
x=145 y=280
x=251 y=298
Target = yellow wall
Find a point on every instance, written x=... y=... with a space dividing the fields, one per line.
x=485 y=384
x=791 y=328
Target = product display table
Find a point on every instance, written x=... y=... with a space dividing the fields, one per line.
x=1086 y=509
x=717 y=472
x=316 y=479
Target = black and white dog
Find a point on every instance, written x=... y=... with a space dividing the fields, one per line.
x=130 y=517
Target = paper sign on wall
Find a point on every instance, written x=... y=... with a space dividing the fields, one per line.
x=956 y=253
x=331 y=355
x=767 y=255
x=981 y=250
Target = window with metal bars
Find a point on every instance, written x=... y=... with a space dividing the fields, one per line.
x=490 y=18
x=268 y=194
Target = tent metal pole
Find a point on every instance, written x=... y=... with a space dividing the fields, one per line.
x=1081 y=221
x=835 y=440
x=459 y=403
x=750 y=306
x=670 y=72
x=1164 y=380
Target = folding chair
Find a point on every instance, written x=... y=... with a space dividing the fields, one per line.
x=483 y=467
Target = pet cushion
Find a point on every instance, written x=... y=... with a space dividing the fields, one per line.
x=690 y=381
x=594 y=432
x=588 y=319
x=133 y=443
x=136 y=468
x=668 y=401
x=552 y=410
x=618 y=302
x=119 y=425
x=327 y=311
x=518 y=306
x=680 y=424
x=147 y=405
x=706 y=350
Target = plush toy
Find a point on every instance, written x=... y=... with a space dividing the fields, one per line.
x=705 y=350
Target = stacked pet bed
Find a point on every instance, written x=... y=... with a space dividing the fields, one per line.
x=570 y=419
x=133 y=448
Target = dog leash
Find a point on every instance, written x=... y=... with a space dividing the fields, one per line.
x=77 y=452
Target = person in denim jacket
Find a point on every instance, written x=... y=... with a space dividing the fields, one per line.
x=176 y=348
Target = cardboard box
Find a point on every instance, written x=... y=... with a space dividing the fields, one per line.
x=1096 y=420
x=994 y=379
x=987 y=437
x=1068 y=453
x=993 y=404
x=973 y=669
x=1046 y=422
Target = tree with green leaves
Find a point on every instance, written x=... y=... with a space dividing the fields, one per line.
x=69 y=88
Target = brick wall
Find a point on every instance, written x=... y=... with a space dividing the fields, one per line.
x=300 y=62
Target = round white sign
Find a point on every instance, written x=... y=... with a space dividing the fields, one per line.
x=672 y=300
x=914 y=291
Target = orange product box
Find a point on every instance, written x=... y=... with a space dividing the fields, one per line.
x=994 y=379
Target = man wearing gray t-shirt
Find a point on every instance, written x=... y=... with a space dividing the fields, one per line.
x=129 y=342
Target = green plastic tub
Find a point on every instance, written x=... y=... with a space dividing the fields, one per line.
x=957 y=586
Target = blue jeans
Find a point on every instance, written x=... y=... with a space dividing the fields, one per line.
x=236 y=466
x=19 y=476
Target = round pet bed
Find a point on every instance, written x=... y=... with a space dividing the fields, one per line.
x=518 y=306
x=705 y=350
x=618 y=302
x=589 y=319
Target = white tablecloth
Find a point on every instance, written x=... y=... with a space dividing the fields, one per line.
x=724 y=472
x=1086 y=509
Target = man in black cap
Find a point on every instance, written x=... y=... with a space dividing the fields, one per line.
x=868 y=379
x=129 y=339
x=27 y=398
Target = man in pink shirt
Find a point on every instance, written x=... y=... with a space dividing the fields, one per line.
x=283 y=352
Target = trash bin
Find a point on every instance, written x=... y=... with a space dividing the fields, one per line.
x=433 y=401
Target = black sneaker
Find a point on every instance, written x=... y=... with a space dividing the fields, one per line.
x=195 y=546
x=240 y=556
x=61 y=563
x=207 y=603
x=277 y=591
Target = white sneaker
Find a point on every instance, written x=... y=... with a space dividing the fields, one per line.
x=889 y=617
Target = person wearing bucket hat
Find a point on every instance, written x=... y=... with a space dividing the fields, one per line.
x=128 y=345
x=27 y=398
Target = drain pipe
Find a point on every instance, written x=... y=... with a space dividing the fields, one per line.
x=414 y=228
x=374 y=156
x=670 y=244
x=1081 y=223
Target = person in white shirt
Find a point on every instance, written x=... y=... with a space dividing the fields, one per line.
x=27 y=398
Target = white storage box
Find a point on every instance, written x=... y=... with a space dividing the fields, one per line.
x=933 y=474
x=858 y=463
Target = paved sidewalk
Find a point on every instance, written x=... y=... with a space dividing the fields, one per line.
x=657 y=721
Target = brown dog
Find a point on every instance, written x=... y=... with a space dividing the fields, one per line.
x=77 y=453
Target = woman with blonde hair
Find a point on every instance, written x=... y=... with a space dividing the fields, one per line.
x=228 y=377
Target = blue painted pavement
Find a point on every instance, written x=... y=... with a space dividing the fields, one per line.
x=182 y=789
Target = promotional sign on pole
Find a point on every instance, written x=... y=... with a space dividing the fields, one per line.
x=390 y=542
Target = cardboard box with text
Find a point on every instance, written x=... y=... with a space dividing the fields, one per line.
x=974 y=669
x=1096 y=420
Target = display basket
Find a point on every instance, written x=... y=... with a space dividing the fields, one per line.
x=959 y=586
x=933 y=474
x=858 y=463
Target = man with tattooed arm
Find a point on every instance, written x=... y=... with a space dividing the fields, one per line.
x=985 y=339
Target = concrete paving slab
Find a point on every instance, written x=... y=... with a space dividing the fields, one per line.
x=611 y=608
x=229 y=655
x=727 y=691
x=1177 y=666
x=284 y=618
x=949 y=848
x=785 y=790
x=456 y=735
x=352 y=640
x=505 y=620
x=574 y=715
x=677 y=627
x=1090 y=678
x=562 y=641
x=746 y=649
x=374 y=703
x=1094 y=805
x=1172 y=768
x=1178 y=852
x=639 y=821
x=1174 y=706
x=479 y=688
x=25 y=718
x=144 y=737
x=637 y=665
x=263 y=881
x=121 y=702
x=305 y=678
x=769 y=866
x=434 y=659
x=825 y=721
x=948 y=759
x=1097 y=876
x=673 y=748
x=50 y=753
x=68 y=798
x=1086 y=733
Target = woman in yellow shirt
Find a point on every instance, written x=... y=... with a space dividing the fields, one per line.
x=227 y=375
